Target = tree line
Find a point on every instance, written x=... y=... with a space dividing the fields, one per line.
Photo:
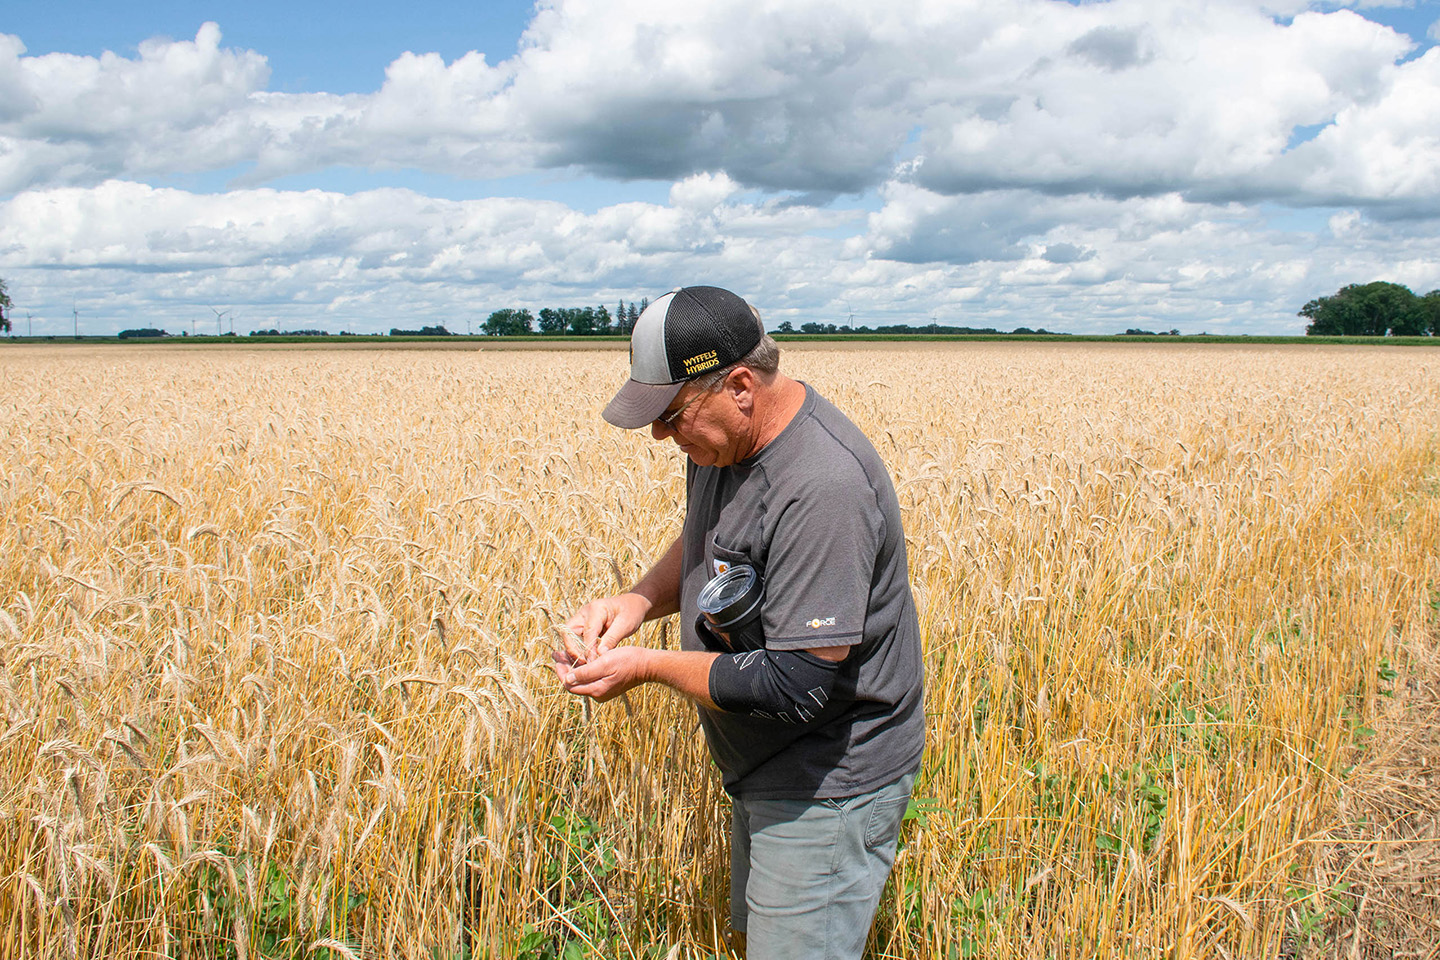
x=589 y=321
x=929 y=329
x=571 y=321
x=1377 y=309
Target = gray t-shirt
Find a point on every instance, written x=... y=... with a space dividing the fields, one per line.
x=815 y=512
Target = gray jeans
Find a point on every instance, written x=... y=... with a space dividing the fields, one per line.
x=806 y=875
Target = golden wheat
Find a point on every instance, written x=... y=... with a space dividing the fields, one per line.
x=275 y=627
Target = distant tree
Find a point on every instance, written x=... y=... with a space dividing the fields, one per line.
x=1427 y=309
x=625 y=318
x=786 y=327
x=5 y=305
x=437 y=331
x=589 y=321
x=582 y=321
x=1366 y=310
x=508 y=322
x=142 y=332
x=1414 y=316
x=284 y=333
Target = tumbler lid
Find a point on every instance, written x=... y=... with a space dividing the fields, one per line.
x=731 y=597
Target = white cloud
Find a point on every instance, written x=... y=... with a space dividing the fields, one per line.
x=1386 y=149
x=177 y=106
x=16 y=98
x=1204 y=101
x=704 y=191
x=427 y=115
x=145 y=256
x=1127 y=98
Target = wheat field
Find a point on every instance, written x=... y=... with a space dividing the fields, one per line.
x=275 y=628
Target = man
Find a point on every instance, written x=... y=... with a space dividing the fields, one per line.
x=813 y=712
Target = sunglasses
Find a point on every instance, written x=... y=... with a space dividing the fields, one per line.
x=669 y=419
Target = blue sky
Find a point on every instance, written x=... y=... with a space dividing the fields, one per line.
x=342 y=48
x=1087 y=168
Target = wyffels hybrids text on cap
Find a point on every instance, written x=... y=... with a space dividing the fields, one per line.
x=701 y=362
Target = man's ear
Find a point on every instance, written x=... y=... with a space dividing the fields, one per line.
x=742 y=383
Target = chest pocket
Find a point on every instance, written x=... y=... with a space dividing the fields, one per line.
x=736 y=536
x=722 y=558
x=751 y=636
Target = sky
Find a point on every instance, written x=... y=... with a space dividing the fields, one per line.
x=1091 y=167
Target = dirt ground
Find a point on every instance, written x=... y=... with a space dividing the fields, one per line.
x=1389 y=855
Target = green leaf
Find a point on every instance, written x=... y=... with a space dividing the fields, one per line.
x=921 y=808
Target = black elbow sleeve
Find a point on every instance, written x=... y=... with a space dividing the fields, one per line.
x=791 y=686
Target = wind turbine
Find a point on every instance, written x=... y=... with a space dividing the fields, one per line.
x=219 y=315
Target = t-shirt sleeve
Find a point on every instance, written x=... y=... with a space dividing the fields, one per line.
x=820 y=565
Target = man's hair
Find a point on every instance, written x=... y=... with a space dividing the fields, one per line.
x=764 y=359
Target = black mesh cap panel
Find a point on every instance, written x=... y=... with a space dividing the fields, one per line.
x=707 y=328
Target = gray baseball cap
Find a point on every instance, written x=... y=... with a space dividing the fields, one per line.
x=687 y=332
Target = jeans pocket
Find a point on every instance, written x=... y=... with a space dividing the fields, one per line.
x=886 y=816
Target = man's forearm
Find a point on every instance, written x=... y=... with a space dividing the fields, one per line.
x=686 y=671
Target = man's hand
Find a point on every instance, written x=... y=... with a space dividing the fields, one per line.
x=601 y=624
x=604 y=677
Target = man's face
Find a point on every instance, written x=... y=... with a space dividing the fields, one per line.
x=704 y=425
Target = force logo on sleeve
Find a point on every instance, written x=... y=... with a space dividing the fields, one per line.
x=817 y=623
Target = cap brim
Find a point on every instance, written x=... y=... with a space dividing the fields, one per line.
x=640 y=404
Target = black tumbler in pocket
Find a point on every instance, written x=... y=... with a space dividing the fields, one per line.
x=730 y=604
